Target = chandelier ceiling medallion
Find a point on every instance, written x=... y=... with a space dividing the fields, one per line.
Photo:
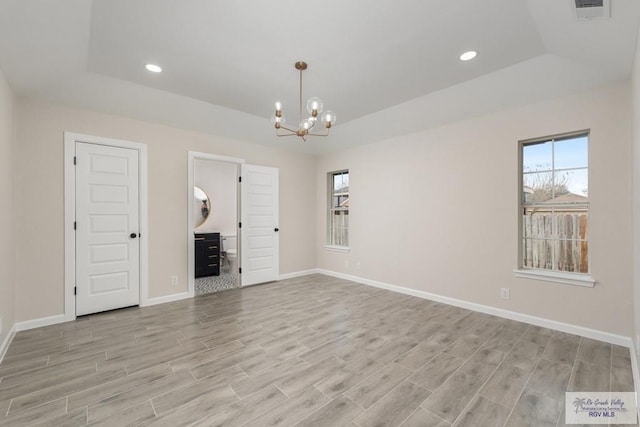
x=306 y=126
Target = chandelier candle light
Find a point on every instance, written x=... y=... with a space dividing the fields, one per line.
x=308 y=126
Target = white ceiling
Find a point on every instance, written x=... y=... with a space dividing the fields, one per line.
x=385 y=67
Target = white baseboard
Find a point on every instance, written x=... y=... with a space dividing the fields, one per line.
x=7 y=342
x=26 y=325
x=43 y=321
x=512 y=315
x=60 y=318
x=167 y=298
x=538 y=321
x=298 y=274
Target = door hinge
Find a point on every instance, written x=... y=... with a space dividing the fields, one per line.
x=239 y=225
x=74 y=160
x=75 y=290
x=75 y=225
x=239 y=179
x=240 y=270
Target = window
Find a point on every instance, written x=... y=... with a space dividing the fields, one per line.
x=555 y=204
x=338 y=221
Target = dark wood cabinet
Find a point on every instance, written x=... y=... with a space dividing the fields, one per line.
x=207 y=254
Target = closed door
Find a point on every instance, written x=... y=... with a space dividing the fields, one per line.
x=107 y=227
x=259 y=233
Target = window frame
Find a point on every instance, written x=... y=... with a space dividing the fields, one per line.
x=550 y=275
x=330 y=212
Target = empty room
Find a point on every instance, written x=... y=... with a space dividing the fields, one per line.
x=339 y=213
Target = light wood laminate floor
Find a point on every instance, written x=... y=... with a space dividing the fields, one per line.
x=310 y=351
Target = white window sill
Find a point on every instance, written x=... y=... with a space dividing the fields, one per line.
x=556 y=276
x=337 y=248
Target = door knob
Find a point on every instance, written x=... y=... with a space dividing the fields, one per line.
x=276 y=229
x=133 y=235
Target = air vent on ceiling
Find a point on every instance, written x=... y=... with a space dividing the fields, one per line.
x=588 y=3
x=591 y=9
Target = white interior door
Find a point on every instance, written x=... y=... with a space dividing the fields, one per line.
x=259 y=216
x=107 y=228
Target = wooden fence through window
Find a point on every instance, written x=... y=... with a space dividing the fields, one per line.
x=569 y=245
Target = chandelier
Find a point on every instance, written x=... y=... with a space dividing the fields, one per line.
x=306 y=126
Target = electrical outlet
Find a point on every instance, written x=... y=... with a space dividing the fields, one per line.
x=174 y=280
x=504 y=293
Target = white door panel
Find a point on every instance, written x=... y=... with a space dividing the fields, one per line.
x=260 y=240
x=107 y=257
x=108 y=224
x=260 y=221
x=260 y=263
x=112 y=196
x=108 y=283
x=107 y=254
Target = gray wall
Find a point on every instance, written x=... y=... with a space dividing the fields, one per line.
x=7 y=277
x=39 y=176
x=437 y=211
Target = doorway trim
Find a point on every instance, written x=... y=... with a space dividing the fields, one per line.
x=70 y=139
x=193 y=155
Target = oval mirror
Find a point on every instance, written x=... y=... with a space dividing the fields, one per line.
x=202 y=206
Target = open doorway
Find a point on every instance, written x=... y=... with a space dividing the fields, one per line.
x=256 y=228
x=214 y=244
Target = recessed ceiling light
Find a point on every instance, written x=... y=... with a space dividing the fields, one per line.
x=153 y=68
x=468 y=55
